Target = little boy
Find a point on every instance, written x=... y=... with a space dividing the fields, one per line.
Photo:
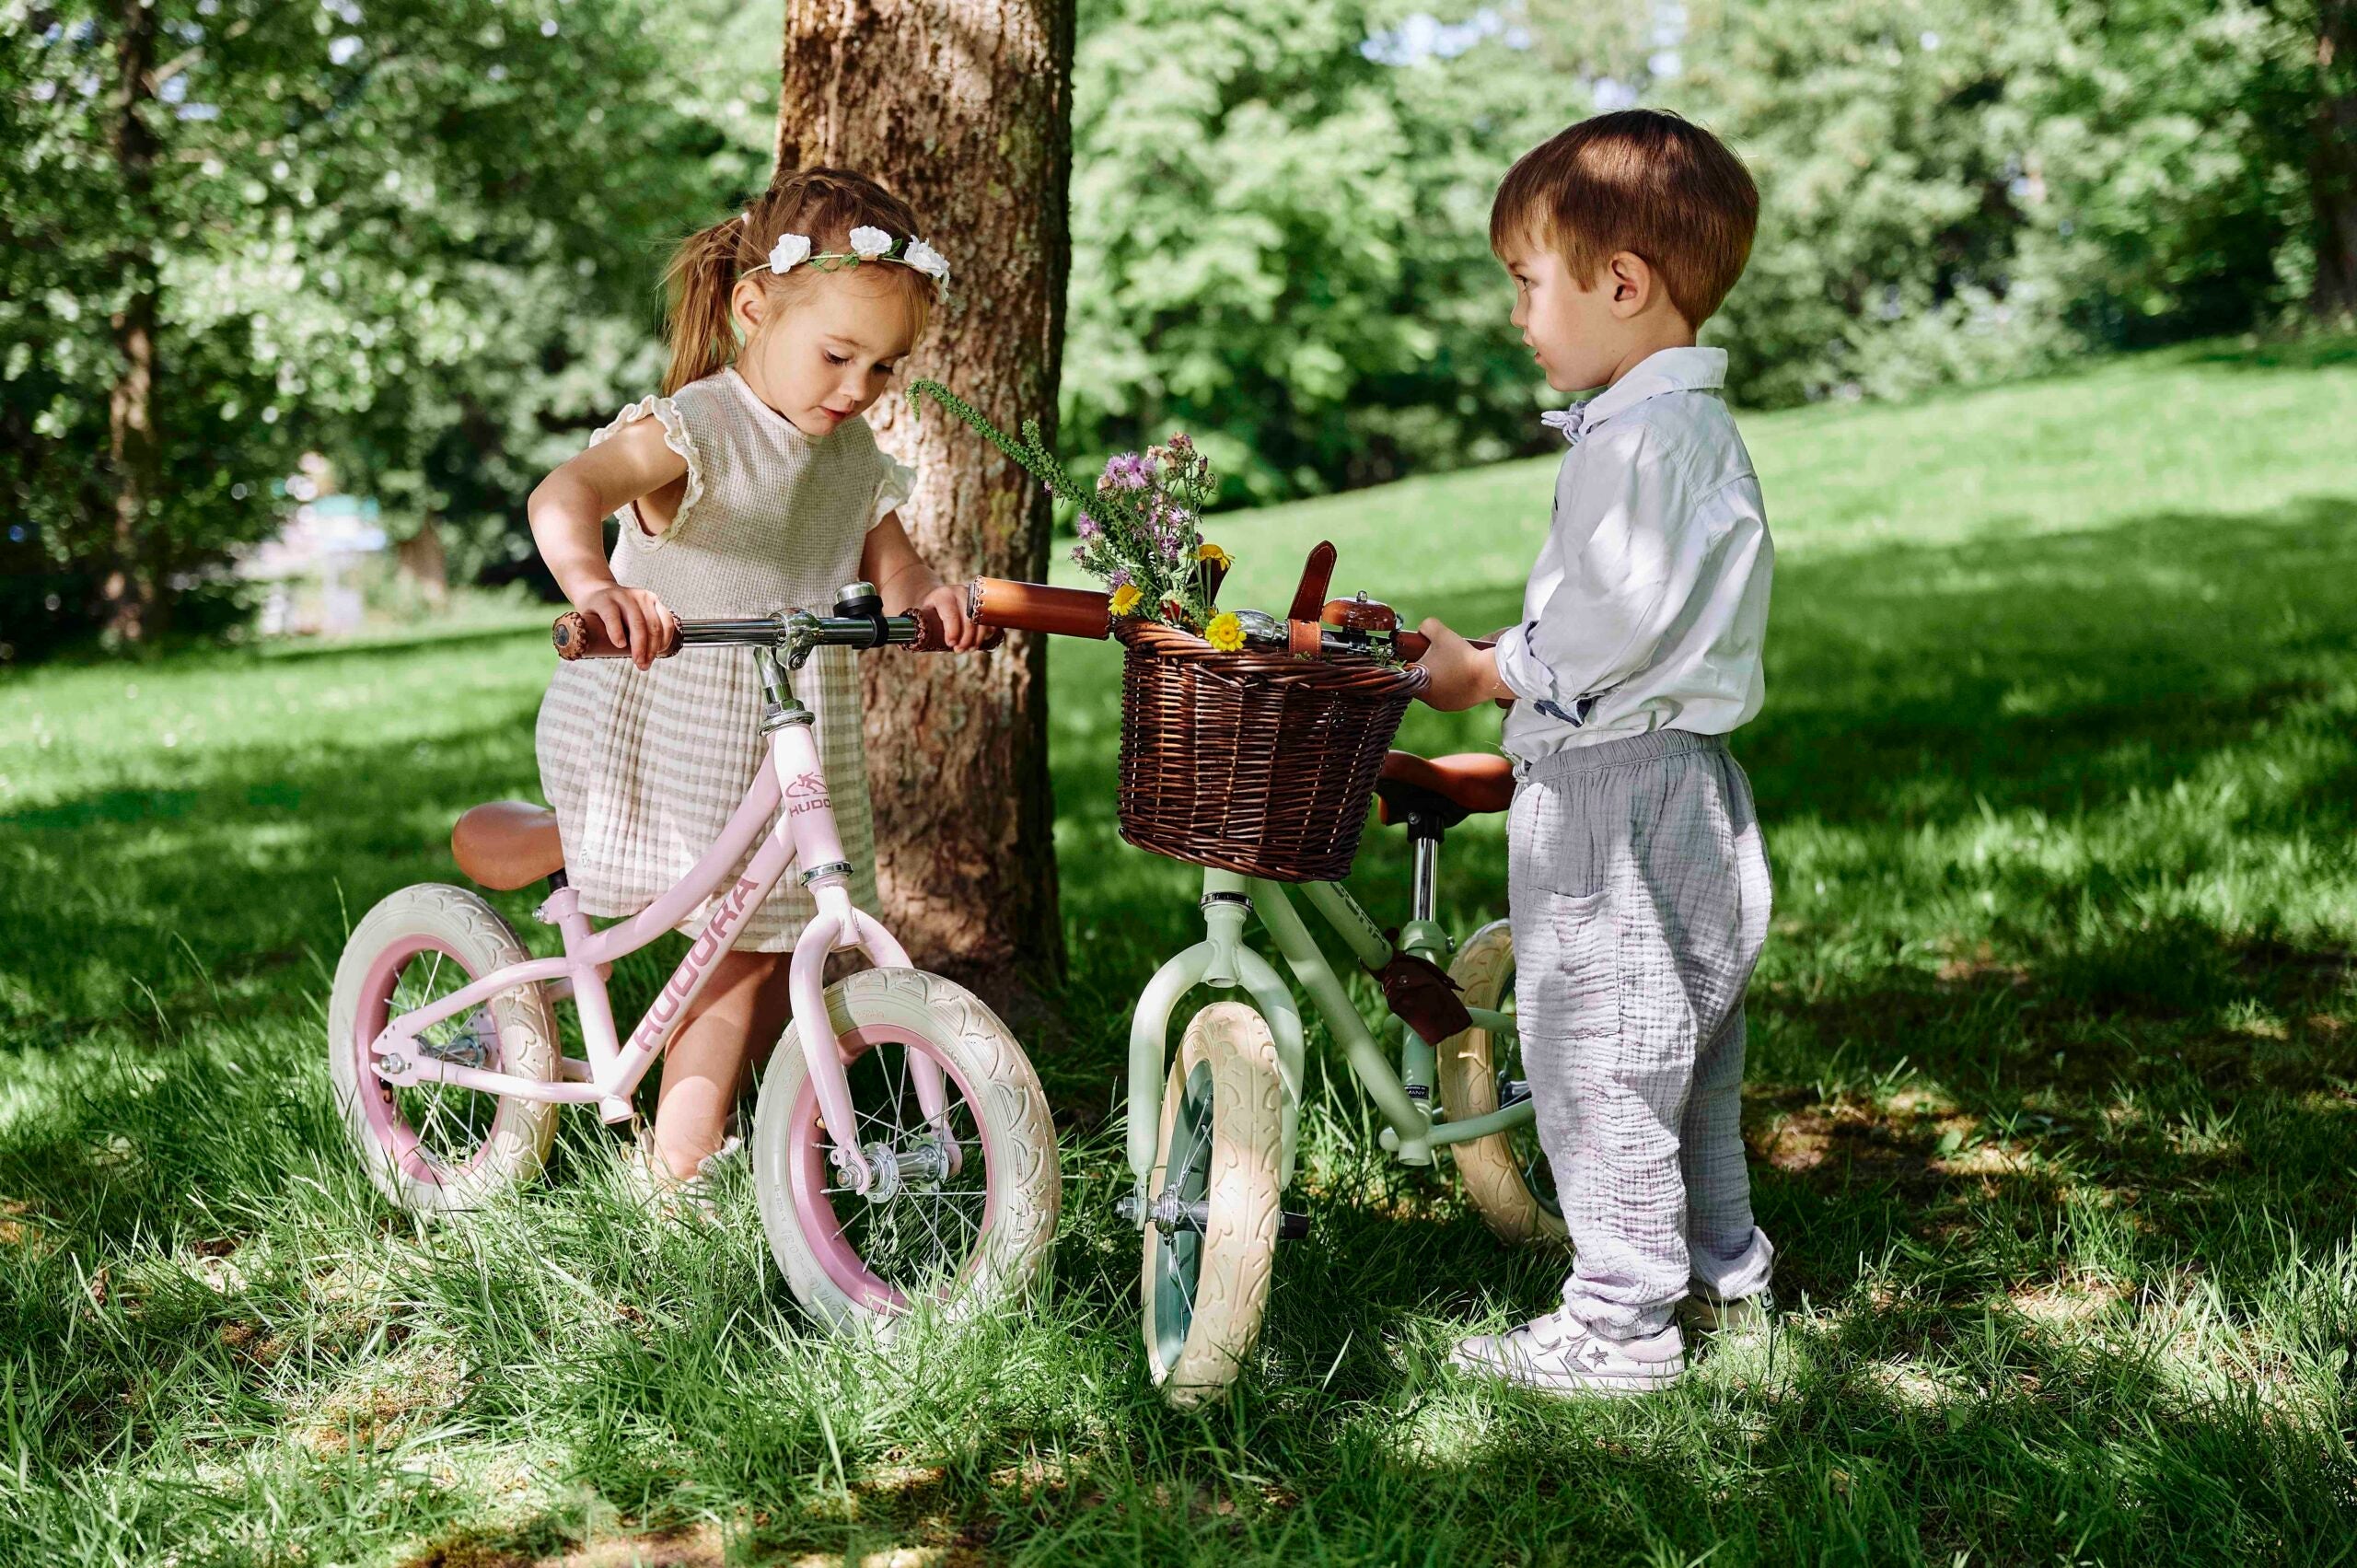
x=1636 y=875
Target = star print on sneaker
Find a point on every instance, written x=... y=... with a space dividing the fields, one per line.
x=1561 y=1354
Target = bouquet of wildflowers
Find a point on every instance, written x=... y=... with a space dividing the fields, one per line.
x=1139 y=524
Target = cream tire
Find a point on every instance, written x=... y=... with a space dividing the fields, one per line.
x=472 y=941
x=1490 y=1168
x=995 y=1100
x=1222 y=1135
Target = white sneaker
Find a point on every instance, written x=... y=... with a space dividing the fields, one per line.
x=1561 y=1354
x=650 y=1180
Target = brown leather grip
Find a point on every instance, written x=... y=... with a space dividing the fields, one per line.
x=1035 y=607
x=1315 y=573
x=575 y=636
x=1413 y=646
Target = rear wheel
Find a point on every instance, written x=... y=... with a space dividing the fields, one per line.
x=431 y=1147
x=959 y=1215
x=1507 y=1173
x=1209 y=1257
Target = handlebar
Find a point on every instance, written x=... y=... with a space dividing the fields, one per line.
x=794 y=632
x=1085 y=612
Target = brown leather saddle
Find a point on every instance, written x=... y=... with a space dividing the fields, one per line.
x=1428 y=795
x=507 y=843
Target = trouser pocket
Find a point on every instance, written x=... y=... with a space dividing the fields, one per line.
x=1567 y=980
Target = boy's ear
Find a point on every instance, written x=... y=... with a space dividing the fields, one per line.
x=1631 y=283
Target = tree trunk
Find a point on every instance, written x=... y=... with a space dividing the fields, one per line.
x=2332 y=161
x=964 y=108
x=425 y=564
x=134 y=587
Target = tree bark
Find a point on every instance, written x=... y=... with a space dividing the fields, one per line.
x=134 y=587
x=2332 y=160
x=964 y=108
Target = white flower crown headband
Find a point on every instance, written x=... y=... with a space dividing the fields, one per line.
x=867 y=244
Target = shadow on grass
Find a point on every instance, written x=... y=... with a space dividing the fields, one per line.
x=2097 y=1076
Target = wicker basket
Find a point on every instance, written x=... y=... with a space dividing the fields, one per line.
x=1256 y=762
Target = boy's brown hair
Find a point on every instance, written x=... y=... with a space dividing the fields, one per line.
x=1640 y=181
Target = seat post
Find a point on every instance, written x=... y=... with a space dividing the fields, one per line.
x=1425 y=891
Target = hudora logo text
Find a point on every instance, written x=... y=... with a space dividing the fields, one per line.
x=715 y=936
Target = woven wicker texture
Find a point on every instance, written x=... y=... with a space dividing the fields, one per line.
x=1253 y=761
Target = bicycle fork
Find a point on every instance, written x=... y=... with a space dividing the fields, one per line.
x=1222 y=961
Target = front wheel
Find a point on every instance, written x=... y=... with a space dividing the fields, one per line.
x=1212 y=1246
x=959 y=1213
x=1506 y=1174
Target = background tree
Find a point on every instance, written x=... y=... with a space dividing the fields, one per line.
x=2332 y=158
x=424 y=237
x=964 y=107
x=420 y=237
x=1279 y=235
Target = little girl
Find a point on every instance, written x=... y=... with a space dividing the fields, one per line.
x=751 y=485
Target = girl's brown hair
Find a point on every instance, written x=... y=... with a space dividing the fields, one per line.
x=826 y=205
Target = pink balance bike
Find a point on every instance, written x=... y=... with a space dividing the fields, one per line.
x=903 y=1150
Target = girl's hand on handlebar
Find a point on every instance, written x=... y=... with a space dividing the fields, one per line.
x=947 y=605
x=634 y=617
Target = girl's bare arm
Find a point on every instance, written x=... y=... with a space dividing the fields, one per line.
x=901 y=576
x=568 y=510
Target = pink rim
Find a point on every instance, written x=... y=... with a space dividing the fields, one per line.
x=393 y=1132
x=807 y=1172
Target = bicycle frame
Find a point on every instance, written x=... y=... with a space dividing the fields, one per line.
x=804 y=830
x=1403 y=1096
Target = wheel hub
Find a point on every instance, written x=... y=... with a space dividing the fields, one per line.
x=468 y=1048
x=922 y=1166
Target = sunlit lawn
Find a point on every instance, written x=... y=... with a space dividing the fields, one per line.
x=2053 y=1099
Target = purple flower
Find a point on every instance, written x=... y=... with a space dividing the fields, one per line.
x=1127 y=472
x=1086 y=526
x=1080 y=556
x=1118 y=578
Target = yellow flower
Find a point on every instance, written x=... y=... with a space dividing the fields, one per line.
x=1226 y=632
x=1212 y=553
x=1125 y=598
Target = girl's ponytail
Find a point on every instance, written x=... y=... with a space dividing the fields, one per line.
x=701 y=276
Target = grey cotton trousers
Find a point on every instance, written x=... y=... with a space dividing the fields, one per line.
x=1638 y=886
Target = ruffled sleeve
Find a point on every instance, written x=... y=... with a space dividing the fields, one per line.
x=676 y=436
x=893 y=490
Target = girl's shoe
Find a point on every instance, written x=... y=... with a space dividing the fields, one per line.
x=1561 y=1354
x=649 y=1178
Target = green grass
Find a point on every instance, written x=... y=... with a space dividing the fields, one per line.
x=2053 y=1097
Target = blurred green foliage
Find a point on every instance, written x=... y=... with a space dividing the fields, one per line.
x=420 y=237
x=1280 y=209
x=426 y=239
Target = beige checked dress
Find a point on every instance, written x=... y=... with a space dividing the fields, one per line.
x=645 y=769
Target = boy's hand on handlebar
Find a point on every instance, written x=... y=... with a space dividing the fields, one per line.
x=1460 y=674
x=634 y=617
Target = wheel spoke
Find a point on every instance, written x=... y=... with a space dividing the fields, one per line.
x=922 y=1235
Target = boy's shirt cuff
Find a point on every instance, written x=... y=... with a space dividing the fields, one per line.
x=1529 y=678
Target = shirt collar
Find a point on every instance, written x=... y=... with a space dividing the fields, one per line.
x=1664 y=370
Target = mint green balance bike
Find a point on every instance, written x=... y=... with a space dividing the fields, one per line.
x=1214 y=1132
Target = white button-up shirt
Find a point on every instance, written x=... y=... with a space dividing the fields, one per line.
x=1648 y=607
